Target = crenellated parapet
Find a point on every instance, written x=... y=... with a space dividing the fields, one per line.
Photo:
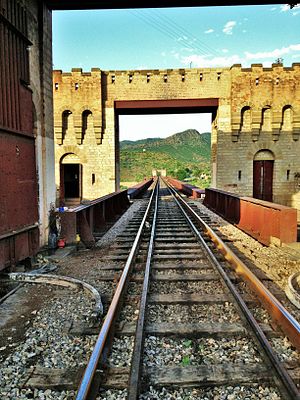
x=254 y=110
x=78 y=105
x=260 y=99
x=265 y=100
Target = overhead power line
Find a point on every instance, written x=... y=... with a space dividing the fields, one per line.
x=185 y=32
x=174 y=31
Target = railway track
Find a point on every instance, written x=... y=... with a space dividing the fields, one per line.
x=181 y=318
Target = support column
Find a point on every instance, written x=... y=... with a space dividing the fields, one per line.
x=276 y=124
x=58 y=132
x=296 y=125
x=235 y=126
x=256 y=124
x=98 y=129
x=78 y=128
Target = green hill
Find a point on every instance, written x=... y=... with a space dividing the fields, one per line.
x=185 y=155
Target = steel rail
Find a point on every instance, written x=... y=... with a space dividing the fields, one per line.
x=285 y=379
x=135 y=372
x=278 y=312
x=86 y=381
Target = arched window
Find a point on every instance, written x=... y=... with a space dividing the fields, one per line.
x=287 y=118
x=246 y=119
x=266 y=119
x=86 y=121
x=65 y=123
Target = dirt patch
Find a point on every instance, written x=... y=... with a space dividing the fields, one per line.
x=17 y=312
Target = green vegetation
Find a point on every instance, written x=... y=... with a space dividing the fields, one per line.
x=187 y=343
x=185 y=156
x=185 y=361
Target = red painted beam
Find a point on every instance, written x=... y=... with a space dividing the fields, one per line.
x=268 y=222
x=86 y=218
x=134 y=191
x=265 y=221
x=160 y=104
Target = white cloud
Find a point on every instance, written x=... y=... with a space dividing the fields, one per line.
x=163 y=54
x=246 y=58
x=272 y=54
x=286 y=7
x=229 y=27
x=209 y=31
x=205 y=62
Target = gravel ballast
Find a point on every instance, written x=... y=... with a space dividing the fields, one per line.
x=193 y=313
x=216 y=393
x=47 y=344
x=166 y=351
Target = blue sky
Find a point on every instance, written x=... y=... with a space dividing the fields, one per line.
x=176 y=38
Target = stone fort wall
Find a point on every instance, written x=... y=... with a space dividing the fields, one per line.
x=258 y=109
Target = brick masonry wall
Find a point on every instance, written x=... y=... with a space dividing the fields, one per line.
x=259 y=108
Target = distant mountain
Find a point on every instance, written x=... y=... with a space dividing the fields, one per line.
x=129 y=143
x=188 y=150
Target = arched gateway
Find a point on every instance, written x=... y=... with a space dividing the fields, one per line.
x=253 y=109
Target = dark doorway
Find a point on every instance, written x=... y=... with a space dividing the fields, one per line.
x=263 y=179
x=72 y=180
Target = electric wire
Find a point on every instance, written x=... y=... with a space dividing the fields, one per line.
x=171 y=32
x=166 y=31
x=174 y=31
x=185 y=32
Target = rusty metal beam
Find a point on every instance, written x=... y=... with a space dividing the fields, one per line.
x=175 y=106
x=86 y=218
x=18 y=231
x=265 y=221
x=170 y=103
x=134 y=191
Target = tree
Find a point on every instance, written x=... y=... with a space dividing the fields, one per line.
x=279 y=61
x=181 y=174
